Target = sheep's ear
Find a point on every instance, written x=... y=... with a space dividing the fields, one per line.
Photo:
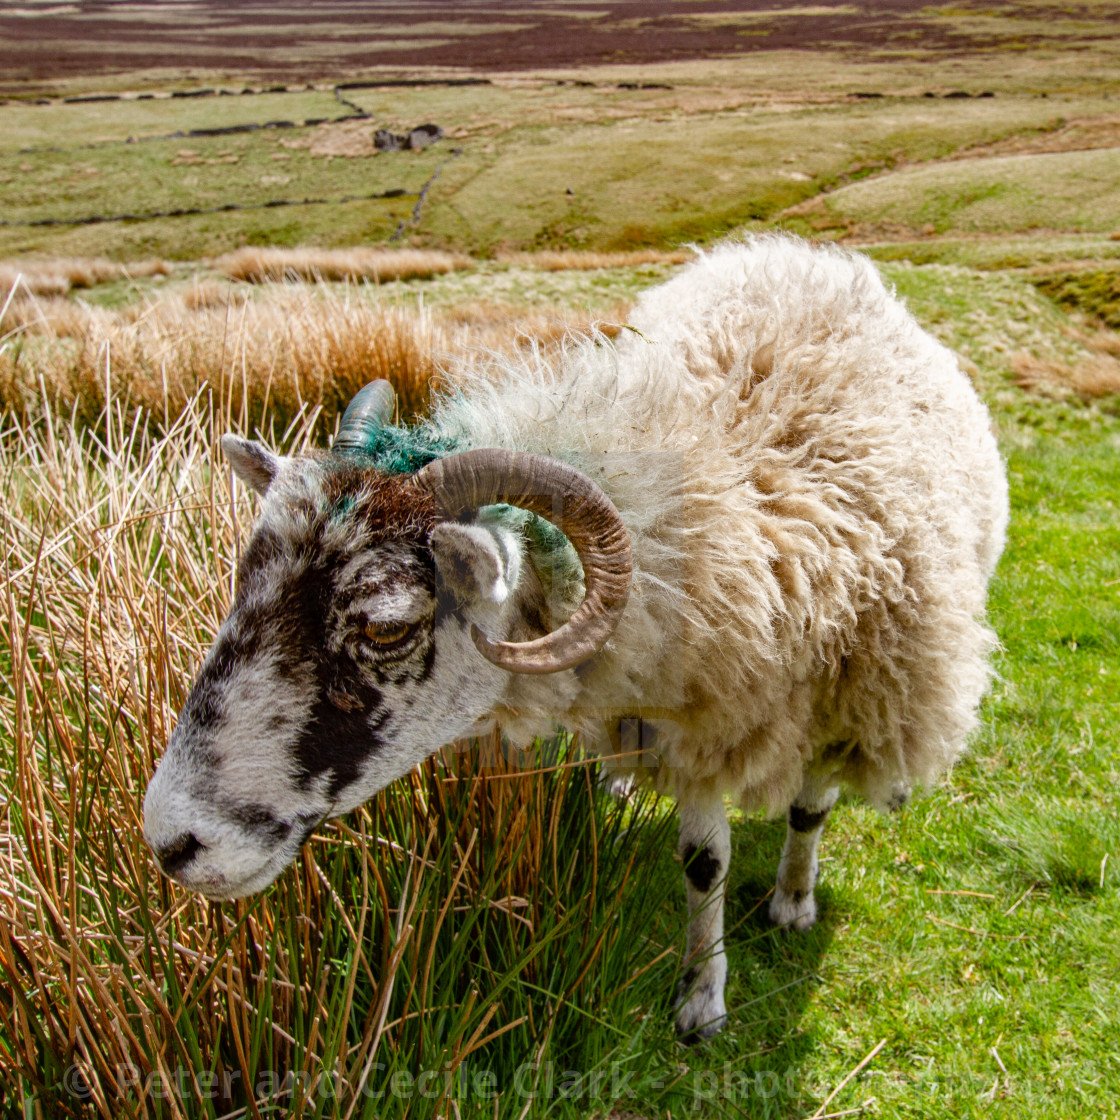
x=252 y=462
x=476 y=562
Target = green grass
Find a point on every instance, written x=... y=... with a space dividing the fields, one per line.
x=592 y=289
x=63 y=125
x=246 y=170
x=1063 y=191
x=639 y=181
x=187 y=238
x=986 y=317
x=999 y=252
x=1026 y=965
x=545 y=165
x=1094 y=291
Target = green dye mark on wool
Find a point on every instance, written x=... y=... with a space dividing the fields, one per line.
x=343 y=506
x=400 y=450
x=403 y=450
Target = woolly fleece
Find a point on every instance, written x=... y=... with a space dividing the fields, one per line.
x=815 y=503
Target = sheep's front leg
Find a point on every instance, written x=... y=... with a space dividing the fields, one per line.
x=705 y=848
x=793 y=904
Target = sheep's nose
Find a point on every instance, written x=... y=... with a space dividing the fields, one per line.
x=171 y=857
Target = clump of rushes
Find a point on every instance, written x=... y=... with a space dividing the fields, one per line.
x=470 y=921
x=274 y=357
x=266 y=360
x=260 y=265
x=563 y=260
x=58 y=275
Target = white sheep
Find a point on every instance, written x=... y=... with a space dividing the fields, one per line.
x=813 y=504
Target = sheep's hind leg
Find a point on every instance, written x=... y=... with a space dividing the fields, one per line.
x=793 y=904
x=705 y=847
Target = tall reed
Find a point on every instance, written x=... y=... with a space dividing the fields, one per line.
x=268 y=359
x=470 y=921
x=262 y=265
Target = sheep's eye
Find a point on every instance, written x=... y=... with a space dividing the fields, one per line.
x=386 y=633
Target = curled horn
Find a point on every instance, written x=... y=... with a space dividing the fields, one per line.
x=371 y=408
x=569 y=499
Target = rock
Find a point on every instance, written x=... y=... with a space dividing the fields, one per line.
x=422 y=136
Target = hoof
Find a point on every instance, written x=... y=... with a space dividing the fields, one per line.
x=797 y=910
x=701 y=1015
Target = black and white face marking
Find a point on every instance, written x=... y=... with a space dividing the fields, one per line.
x=340 y=666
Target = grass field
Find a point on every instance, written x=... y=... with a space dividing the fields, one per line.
x=1059 y=191
x=85 y=125
x=498 y=937
x=871 y=149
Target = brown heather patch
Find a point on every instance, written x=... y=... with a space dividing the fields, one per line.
x=259 y=265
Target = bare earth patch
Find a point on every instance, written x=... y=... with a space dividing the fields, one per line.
x=344 y=139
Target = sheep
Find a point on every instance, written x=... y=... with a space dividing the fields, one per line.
x=781 y=502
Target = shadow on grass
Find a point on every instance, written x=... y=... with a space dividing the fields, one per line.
x=756 y=1066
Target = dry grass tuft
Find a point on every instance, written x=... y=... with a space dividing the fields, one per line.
x=269 y=358
x=1091 y=379
x=389 y=942
x=259 y=266
x=52 y=316
x=57 y=277
x=503 y=327
x=265 y=359
x=203 y=294
x=562 y=260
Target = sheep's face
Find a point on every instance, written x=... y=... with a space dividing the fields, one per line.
x=344 y=661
